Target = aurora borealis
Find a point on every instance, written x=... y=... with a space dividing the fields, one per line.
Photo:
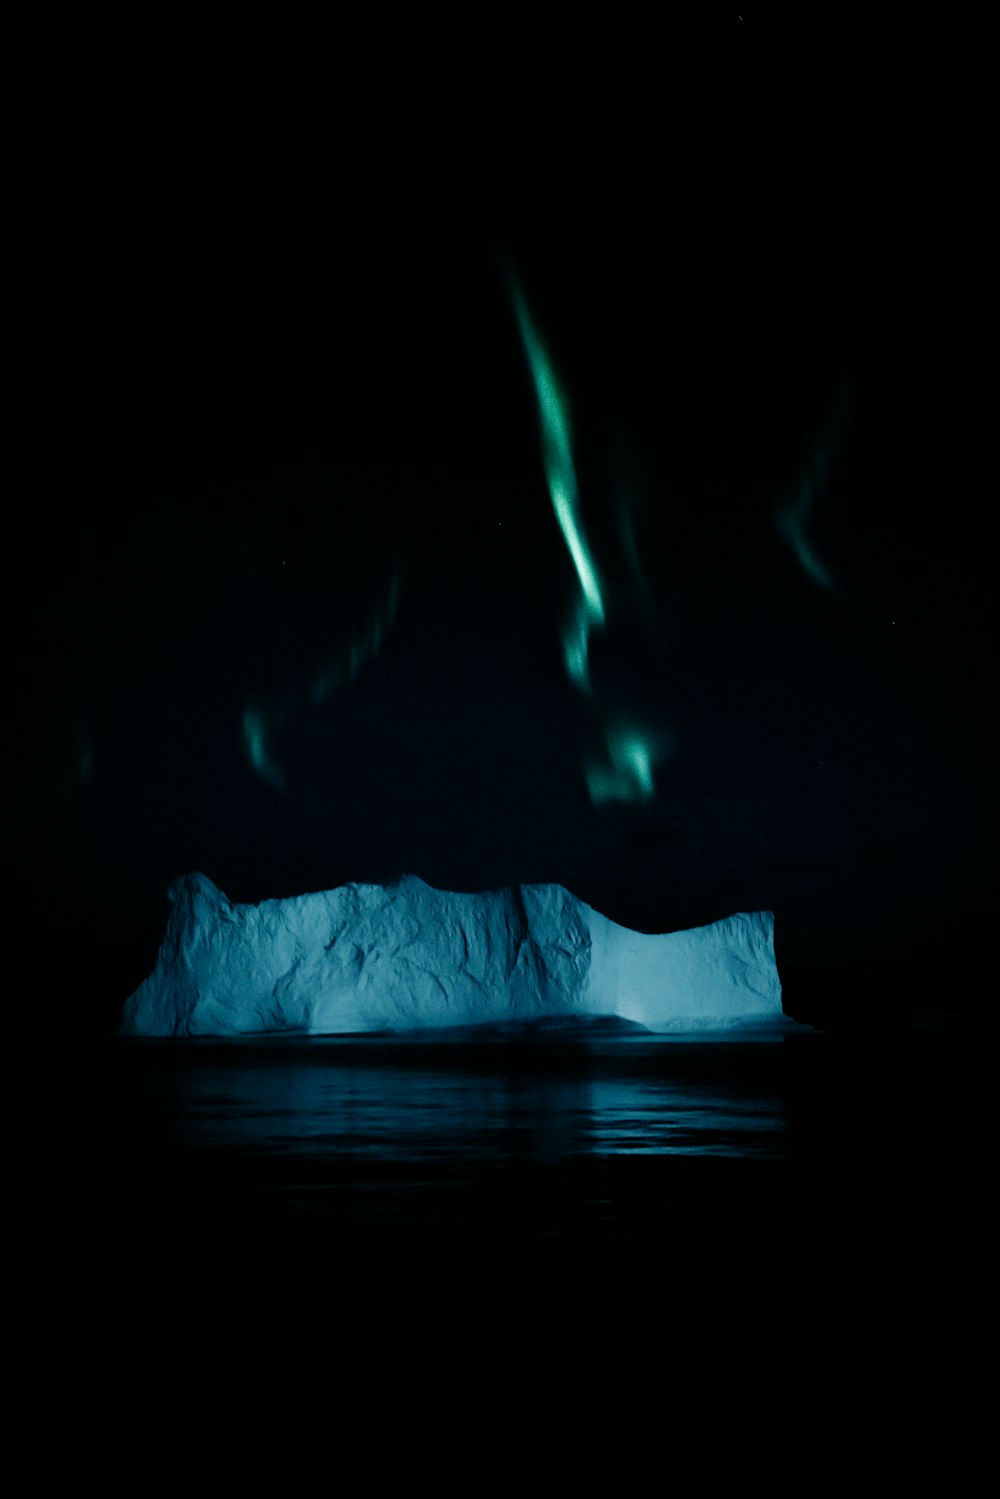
x=581 y=485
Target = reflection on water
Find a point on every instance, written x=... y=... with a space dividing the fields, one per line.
x=349 y=1176
x=584 y=1133
x=288 y=1102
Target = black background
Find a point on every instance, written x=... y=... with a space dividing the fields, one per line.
x=265 y=361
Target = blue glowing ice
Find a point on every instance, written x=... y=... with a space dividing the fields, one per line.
x=406 y=956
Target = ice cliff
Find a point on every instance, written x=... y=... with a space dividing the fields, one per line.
x=405 y=956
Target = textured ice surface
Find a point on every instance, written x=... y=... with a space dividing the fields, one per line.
x=405 y=956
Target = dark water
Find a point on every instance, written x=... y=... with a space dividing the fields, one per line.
x=544 y=1216
x=750 y=1150
x=604 y=1237
x=588 y=1138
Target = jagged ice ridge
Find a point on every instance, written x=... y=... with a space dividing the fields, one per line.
x=405 y=956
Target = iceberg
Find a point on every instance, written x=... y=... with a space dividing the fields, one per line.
x=404 y=957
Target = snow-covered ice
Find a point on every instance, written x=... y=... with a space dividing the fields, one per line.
x=406 y=956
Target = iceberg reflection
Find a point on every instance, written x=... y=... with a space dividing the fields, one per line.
x=481 y=1103
x=591 y=1133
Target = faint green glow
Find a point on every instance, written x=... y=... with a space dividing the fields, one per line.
x=345 y=667
x=575 y=640
x=791 y=521
x=636 y=756
x=626 y=775
x=560 y=475
x=262 y=723
x=254 y=738
x=793 y=517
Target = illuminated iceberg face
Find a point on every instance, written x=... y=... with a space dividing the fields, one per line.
x=367 y=958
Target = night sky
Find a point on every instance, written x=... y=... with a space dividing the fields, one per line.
x=292 y=597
